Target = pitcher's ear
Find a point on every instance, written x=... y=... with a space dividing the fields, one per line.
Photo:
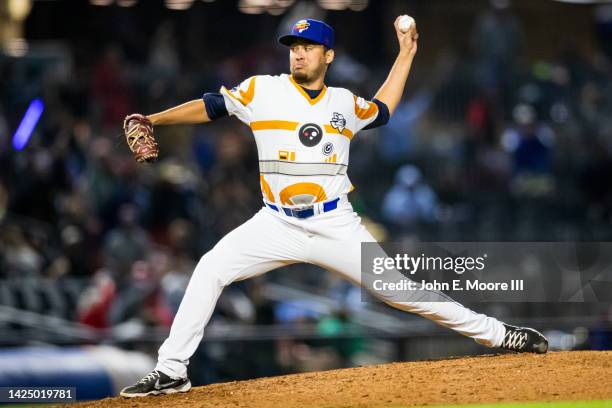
x=329 y=55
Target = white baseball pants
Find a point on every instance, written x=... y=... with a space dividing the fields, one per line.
x=270 y=240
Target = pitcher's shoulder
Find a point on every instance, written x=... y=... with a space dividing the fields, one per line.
x=270 y=80
x=342 y=92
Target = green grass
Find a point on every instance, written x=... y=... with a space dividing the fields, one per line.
x=557 y=404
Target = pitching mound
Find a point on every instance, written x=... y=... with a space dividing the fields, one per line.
x=579 y=375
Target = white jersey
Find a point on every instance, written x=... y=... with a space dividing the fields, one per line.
x=303 y=143
x=303 y=148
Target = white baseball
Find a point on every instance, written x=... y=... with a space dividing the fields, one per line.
x=404 y=23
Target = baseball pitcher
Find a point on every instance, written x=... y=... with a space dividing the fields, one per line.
x=303 y=130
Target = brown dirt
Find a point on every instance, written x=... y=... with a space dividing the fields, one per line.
x=578 y=375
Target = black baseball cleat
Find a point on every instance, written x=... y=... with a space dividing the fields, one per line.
x=156 y=383
x=524 y=340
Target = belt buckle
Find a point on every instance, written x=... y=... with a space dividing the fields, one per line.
x=305 y=213
x=303 y=207
x=298 y=211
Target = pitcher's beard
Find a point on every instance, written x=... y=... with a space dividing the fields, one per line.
x=303 y=77
x=299 y=77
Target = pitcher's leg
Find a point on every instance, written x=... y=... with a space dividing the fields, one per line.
x=261 y=244
x=342 y=254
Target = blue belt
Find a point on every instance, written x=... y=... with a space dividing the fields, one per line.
x=304 y=212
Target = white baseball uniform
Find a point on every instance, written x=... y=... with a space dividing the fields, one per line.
x=303 y=146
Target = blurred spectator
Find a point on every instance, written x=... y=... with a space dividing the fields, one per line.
x=109 y=88
x=96 y=300
x=398 y=136
x=127 y=243
x=497 y=41
x=20 y=257
x=411 y=200
x=79 y=233
x=530 y=144
x=488 y=166
x=163 y=57
x=174 y=196
x=142 y=298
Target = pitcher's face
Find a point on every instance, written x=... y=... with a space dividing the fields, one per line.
x=308 y=61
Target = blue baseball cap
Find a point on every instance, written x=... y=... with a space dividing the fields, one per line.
x=311 y=30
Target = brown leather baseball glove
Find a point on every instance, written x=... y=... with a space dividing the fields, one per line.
x=139 y=136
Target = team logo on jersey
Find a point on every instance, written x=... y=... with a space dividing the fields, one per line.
x=310 y=134
x=328 y=148
x=338 y=122
x=301 y=26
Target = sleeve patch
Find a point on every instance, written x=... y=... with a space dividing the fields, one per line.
x=365 y=109
x=244 y=97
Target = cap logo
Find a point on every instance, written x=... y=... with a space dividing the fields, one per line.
x=301 y=26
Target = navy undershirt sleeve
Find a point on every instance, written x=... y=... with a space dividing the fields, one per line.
x=215 y=105
x=383 y=115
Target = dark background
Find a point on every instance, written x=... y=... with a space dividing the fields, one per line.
x=504 y=134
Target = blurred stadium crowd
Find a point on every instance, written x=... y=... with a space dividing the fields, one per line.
x=487 y=145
